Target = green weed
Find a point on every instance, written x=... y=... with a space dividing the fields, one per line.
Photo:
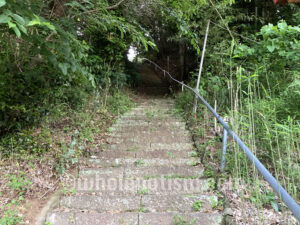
x=197 y=206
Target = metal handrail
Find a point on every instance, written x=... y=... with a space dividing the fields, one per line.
x=282 y=193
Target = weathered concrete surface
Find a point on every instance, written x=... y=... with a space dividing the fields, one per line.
x=104 y=203
x=157 y=186
x=80 y=218
x=164 y=154
x=151 y=133
x=177 y=203
x=141 y=162
x=170 y=218
x=141 y=139
x=149 y=173
x=115 y=172
x=135 y=153
x=167 y=172
x=148 y=146
x=129 y=128
x=59 y=218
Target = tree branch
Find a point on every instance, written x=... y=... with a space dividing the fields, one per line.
x=107 y=8
x=115 y=6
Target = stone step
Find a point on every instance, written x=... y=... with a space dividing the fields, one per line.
x=92 y=218
x=105 y=203
x=103 y=173
x=139 y=123
x=148 y=139
x=139 y=162
x=132 y=187
x=167 y=118
x=133 y=218
x=173 y=218
x=134 y=172
x=162 y=154
x=146 y=203
x=155 y=107
x=148 y=146
x=151 y=134
x=138 y=129
x=149 y=111
x=164 y=172
x=148 y=120
x=178 y=203
x=140 y=112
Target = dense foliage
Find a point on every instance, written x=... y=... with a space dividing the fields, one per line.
x=55 y=52
x=252 y=72
x=62 y=52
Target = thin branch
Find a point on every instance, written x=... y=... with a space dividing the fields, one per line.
x=115 y=6
x=107 y=8
x=222 y=19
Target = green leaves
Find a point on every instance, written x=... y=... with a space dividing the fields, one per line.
x=20 y=20
x=271 y=48
x=2 y=3
x=37 y=22
x=4 y=18
x=64 y=67
x=14 y=22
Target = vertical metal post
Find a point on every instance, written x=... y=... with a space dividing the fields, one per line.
x=200 y=69
x=224 y=147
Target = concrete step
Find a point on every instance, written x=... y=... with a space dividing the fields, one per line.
x=140 y=123
x=146 y=203
x=150 y=111
x=151 y=133
x=137 y=129
x=164 y=172
x=162 y=154
x=148 y=139
x=92 y=218
x=148 y=146
x=173 y=218
x=154 y=108
x=141 y=112
x=133 y=218
x=178 y=203
x=133 y=172
x=168 y=118
x=139 y=162
x=131 y=187
x=105 y=203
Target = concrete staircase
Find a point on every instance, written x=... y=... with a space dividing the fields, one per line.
x=148 y=175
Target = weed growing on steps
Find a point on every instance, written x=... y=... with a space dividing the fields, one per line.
x=197 y=205
x=144 y=191
x=139 y=162
x=179 y=220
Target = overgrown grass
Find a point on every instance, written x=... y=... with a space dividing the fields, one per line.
x=275 y=141
x=53 y=149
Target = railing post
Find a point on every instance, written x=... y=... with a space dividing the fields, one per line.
x=224 y=147
x=200 y=69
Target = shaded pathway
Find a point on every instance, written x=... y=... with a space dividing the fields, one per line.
x=146 y=175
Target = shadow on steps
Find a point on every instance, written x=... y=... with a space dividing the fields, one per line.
x=152 y=83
